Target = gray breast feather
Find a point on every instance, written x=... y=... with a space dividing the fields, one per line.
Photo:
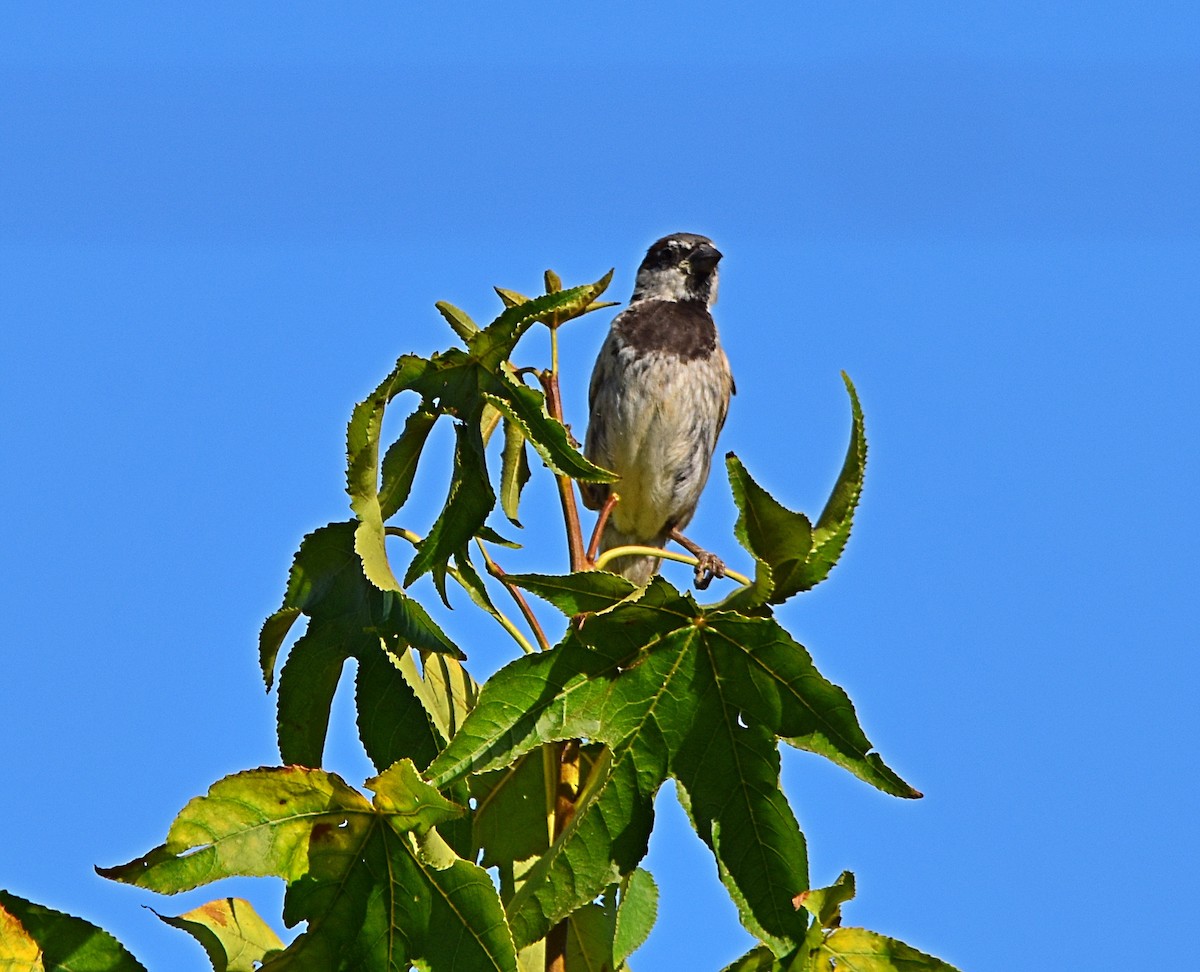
x=654 y=420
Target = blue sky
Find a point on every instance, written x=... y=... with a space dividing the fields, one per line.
x=218 y=229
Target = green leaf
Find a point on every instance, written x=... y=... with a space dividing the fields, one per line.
x=393 y=720
x=514 y=812
x=461 y=384
x=825 y=904
x=779 y=540
x=377 y=887
x=473 y=584
x=835 y=519
x=589 y=942
x=588 y=591
x=400 y=462
x=487 y=534
x=231 y=932
x=526 y=407
x=859 y=950
x=446 y=691
x=511 y=818
x=307 y=685
x=327 y=583
x=36 y=938
x=470 y=500
x=672 y=689
x=637 y=910
x=495 y=342
x=462 y=324
x=270 y=639
x=347 y=617
x=790 y=554
x=490 y=417
x=362 y=468
x=406 y=711
x=511 y=298
x=758 y=959
x=590 y=938
x=514 y=471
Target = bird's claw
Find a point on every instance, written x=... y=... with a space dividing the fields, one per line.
x=709 y=565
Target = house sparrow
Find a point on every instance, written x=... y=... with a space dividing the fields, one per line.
x=658 y=398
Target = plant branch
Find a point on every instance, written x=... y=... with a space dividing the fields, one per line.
x=635 y=551
x=566 y=485
x=566 y=792
x=601 y=521
x=494 y=569
x=501 y=618
x=562 y=793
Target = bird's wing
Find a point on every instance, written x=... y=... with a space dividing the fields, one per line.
x=596 y=445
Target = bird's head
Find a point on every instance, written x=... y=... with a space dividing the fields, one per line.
x=682 y=266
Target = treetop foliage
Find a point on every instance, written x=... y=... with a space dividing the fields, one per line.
x=507 y=823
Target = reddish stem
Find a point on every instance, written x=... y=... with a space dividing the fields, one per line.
x=566 y=486
x=517 y=595
x=601 y=520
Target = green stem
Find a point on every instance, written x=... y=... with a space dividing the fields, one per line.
x=633 y=551
x=531 y=619
x=503 y=620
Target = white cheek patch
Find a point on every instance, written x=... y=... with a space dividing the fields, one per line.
x=663 y=284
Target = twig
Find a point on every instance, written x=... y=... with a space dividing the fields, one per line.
x=565 y=795
x=635 y=551
x=494 y=569
x=563 y=787
x=601 y=521
x=501 y=618
x=566 y=486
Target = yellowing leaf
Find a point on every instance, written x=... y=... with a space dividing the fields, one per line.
x=18 y=951
x=377 y=889
x=859 y=950
x=231 y=932
x=34 y=938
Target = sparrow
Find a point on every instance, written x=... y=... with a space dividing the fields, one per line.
x=657 y=401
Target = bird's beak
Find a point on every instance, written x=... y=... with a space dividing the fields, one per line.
x=704 y=257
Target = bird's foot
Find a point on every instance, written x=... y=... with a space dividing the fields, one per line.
x=708 y=564
x=708 y=567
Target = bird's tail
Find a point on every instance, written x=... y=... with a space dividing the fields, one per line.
x=638 y=568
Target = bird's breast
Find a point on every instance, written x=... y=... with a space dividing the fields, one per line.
x=662 y=414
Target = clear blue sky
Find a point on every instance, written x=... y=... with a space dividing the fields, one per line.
x=219 y=224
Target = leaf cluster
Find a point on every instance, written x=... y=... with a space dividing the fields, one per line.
x=507 y=823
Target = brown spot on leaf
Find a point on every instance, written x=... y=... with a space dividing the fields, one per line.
x=215 y=912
